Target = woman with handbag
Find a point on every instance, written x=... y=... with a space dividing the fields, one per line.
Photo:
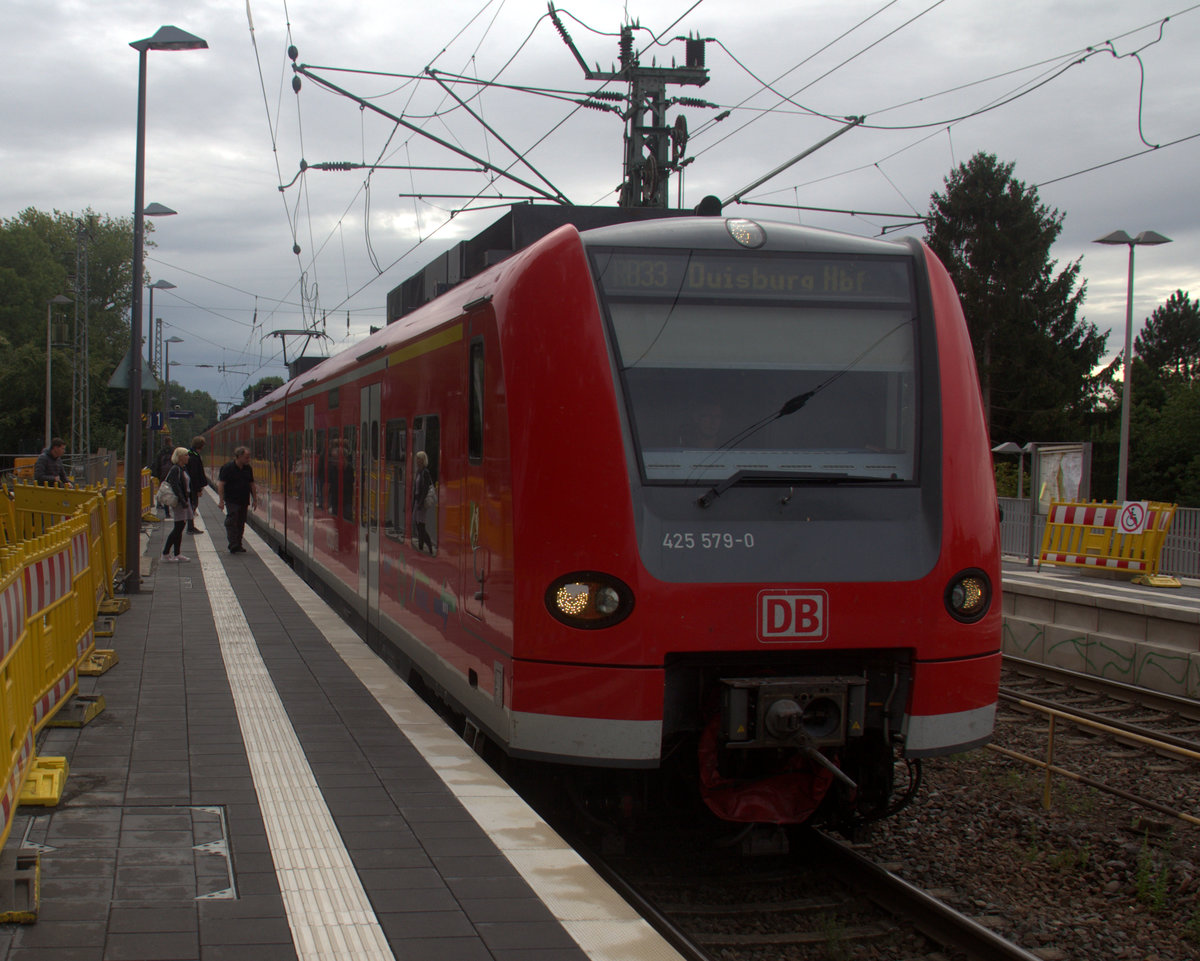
x=178 y=483
x=424 y=498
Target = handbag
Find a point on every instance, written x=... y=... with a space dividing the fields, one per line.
x=430 y=501
x=166 y=496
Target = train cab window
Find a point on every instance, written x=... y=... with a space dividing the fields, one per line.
x=475 y=403
x=427 y=440
x=395 y=468
x=779 y=366
x=349 y=476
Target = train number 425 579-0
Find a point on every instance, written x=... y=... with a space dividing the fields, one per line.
x=680 y=541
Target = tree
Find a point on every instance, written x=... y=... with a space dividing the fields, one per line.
x=1035 y=356
x=260 y=389
x=1165 y=420
x=1170 y=342
x=37 y=262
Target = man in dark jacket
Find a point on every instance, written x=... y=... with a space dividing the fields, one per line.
x=195 y=469
x=162 y=461
x=49 y=467
x=236 y=491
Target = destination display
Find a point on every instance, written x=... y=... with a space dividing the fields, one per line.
x=627 y=273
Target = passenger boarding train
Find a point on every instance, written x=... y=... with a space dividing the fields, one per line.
x=711 y=497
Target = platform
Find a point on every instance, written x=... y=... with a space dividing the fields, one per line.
x=1104 y=624
x=261 y=786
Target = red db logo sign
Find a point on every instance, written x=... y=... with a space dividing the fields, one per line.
x=792 y=616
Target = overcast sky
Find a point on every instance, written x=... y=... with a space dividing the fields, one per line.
x=1056 y=86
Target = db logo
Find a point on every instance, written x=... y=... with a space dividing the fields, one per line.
x=792 y=616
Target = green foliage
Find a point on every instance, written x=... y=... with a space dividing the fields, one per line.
x=1152 y=880
x=41 y=257
x=1169 y=344
x=1191 y=930
x=1035 y=356
x=261 y=389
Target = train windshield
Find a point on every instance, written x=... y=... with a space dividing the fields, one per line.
x=784 y=367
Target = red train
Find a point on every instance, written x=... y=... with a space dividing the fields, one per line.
x=711 y=497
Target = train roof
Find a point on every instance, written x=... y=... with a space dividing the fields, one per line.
x=715 y=233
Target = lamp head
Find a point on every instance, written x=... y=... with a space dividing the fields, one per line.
x=1147 y=238
x=170 y=38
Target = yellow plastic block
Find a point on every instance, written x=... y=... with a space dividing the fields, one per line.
x=79 y=711
x=98 y=662
x=20 y=886
x=45 y=782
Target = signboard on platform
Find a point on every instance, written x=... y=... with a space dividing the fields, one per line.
x=1132 y=519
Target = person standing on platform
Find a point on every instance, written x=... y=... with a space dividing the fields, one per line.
x=49 y=467
x=178 y=480
x=162 y=460
x=236 y=491
x=162 y=464
x=195 y=469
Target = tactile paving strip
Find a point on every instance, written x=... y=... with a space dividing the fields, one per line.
x=328 y=910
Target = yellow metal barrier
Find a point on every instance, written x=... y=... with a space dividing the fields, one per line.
x=8 y=519
x=1105 y=536
x=16 y=699
x=53 y=625
x=58 y=562
x=39 y=508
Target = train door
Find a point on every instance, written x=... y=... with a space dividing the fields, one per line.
x=308 y=468
x=369 y=474
x=272 y=477
x=475 y=558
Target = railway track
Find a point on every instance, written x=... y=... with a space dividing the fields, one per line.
x=823 y=900
x=1100 y=732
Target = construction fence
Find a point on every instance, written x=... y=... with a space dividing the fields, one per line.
x=61 y=560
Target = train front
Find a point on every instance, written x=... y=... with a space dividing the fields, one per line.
x=781 y=572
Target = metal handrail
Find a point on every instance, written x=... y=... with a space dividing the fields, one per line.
x=1051 y=768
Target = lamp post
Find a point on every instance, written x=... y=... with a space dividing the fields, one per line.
x=57 y=299
x=166 y=397
x=155 y=353
x=1147 y=238
x=167 y=38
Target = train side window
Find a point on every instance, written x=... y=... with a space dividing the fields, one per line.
x=349 y=470
x=427 y=437
x=395 y=453
x=333 y=479
x=295 y=455
x=475 y=402
x=321 y=470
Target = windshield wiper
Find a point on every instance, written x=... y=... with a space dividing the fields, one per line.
x=788 y=477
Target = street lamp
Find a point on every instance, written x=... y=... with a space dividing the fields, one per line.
x=57 y=299
x=166 y=397
x=1147 y=238
x=167 y=38
x=154 y=352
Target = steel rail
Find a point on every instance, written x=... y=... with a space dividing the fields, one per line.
x=935 y=919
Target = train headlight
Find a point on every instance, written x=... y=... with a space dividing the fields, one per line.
x=589 y=600
x=968 y=596
x=746 y=232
